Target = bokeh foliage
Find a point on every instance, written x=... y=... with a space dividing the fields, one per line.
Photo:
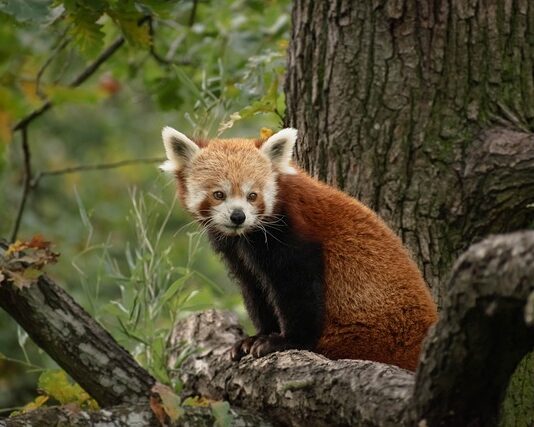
x=205 y=67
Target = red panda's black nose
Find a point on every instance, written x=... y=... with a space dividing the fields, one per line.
x=237 y=217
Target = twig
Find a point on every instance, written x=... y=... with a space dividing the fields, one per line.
x=62 y=45
x=22 y=125
x=27 y=182
x=83 y=76
x=86 y=168
x=160 y=59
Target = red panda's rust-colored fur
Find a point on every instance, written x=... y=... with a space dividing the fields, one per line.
x=378 y=306
x=376 y=303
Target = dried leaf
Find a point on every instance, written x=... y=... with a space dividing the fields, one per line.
x=38 y=242
x=24 y=278
x=164 y=398
x=157 y=409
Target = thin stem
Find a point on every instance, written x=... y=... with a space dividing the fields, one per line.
x=62 y=45
x=193 y=13
x=27 y=182
x=86 y=168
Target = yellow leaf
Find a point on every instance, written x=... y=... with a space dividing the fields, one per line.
x=56 y=384
x=266 y=133
x=16 y=247
x=29 y=89
x=5 y=127
x=198 y=401
x=35 y=404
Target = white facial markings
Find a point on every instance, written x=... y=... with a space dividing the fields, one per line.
x=195 y=197
x=180 y=150
x=247 y=187
x=278 y=148
x=223 y=211
x=269 y=194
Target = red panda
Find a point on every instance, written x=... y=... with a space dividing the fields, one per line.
x=318 y=270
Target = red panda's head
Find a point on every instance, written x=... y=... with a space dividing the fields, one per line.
x=229 y=184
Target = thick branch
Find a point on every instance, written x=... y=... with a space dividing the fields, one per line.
x=497 y=184
x=75 y=341
x=289 y=387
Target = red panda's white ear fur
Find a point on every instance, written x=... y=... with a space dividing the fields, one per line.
x=179 y=148
x=279 y=149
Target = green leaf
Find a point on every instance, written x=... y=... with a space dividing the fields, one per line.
x=221 y=413
x=137 y=35
x=173 y=289
x=27 y=10
x=84 y=29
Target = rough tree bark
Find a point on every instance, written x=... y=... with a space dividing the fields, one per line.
x=423 y=110
x=484 y=331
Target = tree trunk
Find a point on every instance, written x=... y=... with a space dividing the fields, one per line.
x=422 y=110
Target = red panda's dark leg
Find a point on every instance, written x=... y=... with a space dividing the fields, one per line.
x=261 y=313
x=296 y=291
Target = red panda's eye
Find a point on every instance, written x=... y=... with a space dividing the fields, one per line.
x=219 y=195
x=252 y=196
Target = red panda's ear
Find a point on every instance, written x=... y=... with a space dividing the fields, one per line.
x=179 y=148
x=279 y=149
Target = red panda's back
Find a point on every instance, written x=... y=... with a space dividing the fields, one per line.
x=378 y=306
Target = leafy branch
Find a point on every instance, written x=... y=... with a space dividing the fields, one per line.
x=23 y=124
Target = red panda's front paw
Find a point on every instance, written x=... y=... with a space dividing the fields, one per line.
x=241 y=348
x=269 y=344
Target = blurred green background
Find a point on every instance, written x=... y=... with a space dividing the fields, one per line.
x=129 y=253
